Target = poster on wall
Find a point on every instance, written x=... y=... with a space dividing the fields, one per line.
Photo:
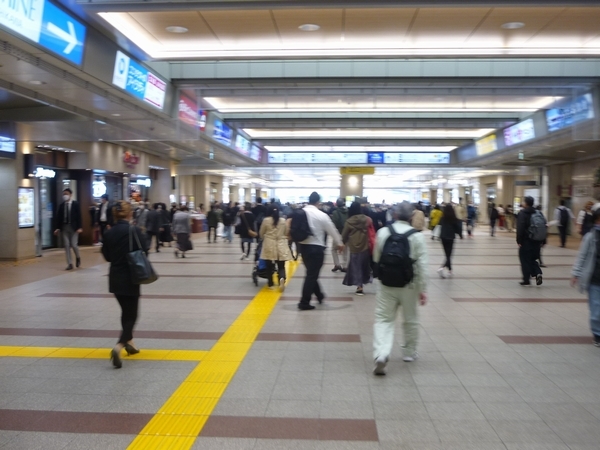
x=26 y=207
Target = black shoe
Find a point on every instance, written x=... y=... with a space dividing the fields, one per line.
x=359 y=291
x=78 y=262
x=115 y=357
x=69 y=267
x=131 y=350
x=343 y=269
x=176 y=254
x=183 y=255
x=597 y=340
x=157 y=250
x=336 y=268
x=539 y=280
x=303 y=307
x=543 y=265
x=320 y=300
x=525 y=283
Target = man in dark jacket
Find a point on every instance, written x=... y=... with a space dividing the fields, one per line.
x=339 y=217
x=103 y=217
x=529 y=250
x=153 y=226
x=260 y=212
x=68 y=223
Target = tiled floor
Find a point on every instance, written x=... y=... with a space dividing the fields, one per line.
x=226 y=365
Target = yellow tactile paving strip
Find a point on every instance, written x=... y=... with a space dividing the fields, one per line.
x=100 y=353
x=181 y=419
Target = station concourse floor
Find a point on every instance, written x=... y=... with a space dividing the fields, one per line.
x=227 y=365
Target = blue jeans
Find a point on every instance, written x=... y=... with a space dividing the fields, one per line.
x=594 y=301
x=228 y=233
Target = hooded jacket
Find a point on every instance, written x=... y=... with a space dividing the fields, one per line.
x=356 y=234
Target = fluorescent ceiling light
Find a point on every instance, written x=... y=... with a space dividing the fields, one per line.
x=357 y=148
x=390 y=110
x=369 y=133
x=428 y=45
x=176 y=29
x=513 y=25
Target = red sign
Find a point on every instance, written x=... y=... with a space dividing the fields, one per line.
x=188 y=111
x=130 y=159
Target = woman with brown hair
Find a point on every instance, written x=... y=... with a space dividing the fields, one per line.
x=118 y=242
x=355 y=235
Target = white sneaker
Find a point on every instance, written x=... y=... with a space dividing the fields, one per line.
x=440 y=272
x=243 y=257
x=380 y=364
x=281 y=284
x=450 y=274
x=411 y=358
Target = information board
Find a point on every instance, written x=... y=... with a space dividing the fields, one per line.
x=222 y=133
x=521 y=132
x=357 y=158
x=486 y=145
x=133 y=78
x=26 y=207
x=256 y=153
x=242 y=145
x=45 y=24
x=578 y=110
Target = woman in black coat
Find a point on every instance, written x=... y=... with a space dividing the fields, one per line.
x=450 y=228
x=115 y=248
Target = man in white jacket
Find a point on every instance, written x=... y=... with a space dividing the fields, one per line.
x=389 y=299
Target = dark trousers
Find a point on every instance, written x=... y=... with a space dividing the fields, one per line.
x=103 y=226
x=214 y=230
x=529 y=252
x=150 y=234
x=448 y=244
x=249 y=242
x=129 y=313
x=492 y=226
x=271 y=270
x=313 y=257
x=563 y=235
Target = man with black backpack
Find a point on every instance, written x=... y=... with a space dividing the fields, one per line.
x=309 y=227
x=531 y=232
x=562 y=219
x=400 y=255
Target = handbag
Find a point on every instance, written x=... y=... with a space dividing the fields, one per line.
x=140 y=268
x=251 y=232
x=437 y=231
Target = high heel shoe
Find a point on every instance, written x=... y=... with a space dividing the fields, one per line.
x=131 y=350
x=115 y=357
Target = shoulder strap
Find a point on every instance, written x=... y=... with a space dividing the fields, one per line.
x=410 y=232
x=392 y=231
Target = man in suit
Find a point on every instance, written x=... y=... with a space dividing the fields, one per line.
x=104 y=216
x=153 y=226
x=68 y=222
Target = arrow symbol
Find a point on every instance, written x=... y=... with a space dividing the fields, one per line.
x=69 y=37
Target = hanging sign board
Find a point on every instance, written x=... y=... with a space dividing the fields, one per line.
x=357 y=170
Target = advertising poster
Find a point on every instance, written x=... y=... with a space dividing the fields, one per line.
x=188 y=113
x=26 y=207
x=486 y=145
x=222 y=133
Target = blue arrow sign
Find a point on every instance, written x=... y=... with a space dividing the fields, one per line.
x=47 y=25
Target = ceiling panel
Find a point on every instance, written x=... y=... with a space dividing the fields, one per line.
x=575 y=26
x=389 y=24
x=330 y=21
x=233 y=27
x=443 y=26
x=156 y=25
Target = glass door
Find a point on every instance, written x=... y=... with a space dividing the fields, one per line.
x=47 y=211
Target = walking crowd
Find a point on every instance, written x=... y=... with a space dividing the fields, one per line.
x=367 y=243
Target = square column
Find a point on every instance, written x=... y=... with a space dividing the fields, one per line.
x=351 y=185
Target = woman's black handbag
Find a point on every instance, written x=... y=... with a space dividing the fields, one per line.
x=139 y=266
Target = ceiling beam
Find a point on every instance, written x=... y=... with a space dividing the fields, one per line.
x=386 y=142
x=383 y=122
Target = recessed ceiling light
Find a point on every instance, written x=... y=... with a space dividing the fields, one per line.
x=176 y=29
x=513 y=25
x=309 y=27
x=36 y=82
x=116 y=115
x=580 y=151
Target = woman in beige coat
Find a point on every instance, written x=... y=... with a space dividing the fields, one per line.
x=273 y=232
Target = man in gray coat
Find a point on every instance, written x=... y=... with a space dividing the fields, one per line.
x=586 y=273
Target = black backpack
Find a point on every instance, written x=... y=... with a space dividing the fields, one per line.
x=395 y=268
x=564 y=217
x=300 y=230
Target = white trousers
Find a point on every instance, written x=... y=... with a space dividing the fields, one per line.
x=389 y=300
x=336 y=256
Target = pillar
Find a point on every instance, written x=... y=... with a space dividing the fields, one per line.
x=248 y=195
x=351 y=185
x=447 y=195
x=234 y=193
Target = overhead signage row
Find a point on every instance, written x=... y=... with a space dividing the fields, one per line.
x=138 y=81
x=577 y=110
x=358 y=158
x=47 y=25
x=222 y=133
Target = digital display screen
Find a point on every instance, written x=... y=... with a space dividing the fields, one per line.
x=578 y=110
x=521 y=132
x=242 y=145
x=375 y=158
x=222 y=133
x=357 y=158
